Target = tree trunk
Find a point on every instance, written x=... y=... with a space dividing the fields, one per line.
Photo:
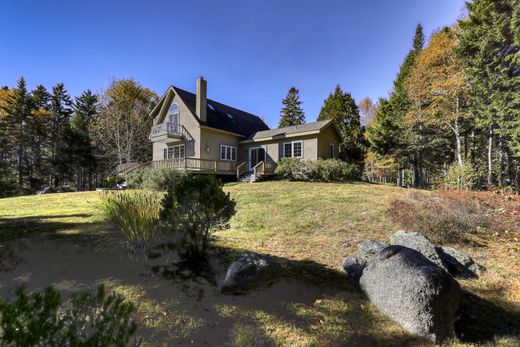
x=490 y=157
x=459 y=145
x=500 y=160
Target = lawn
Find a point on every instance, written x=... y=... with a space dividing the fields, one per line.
x=309 y=227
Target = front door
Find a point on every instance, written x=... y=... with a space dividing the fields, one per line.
x=256 y=155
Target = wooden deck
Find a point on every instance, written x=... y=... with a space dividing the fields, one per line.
x=218 y=167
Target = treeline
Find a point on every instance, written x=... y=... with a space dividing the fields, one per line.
x=453 y=116
x=48 y=140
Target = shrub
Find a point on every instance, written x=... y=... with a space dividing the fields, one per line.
x=443 y=217
x=194 y=207
x=112 y=181
x=42 y=319
x=135 y=213
x=322 y=170
x=159 y=180
x=461 y=177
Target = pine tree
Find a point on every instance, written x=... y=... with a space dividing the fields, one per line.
x=85 y=163
x=61 y=111
x=19 y=113
x=341 y=107
x=292 y=112
x=39 y=137
x=489 y=48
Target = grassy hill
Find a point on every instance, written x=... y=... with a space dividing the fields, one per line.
x=310 y=227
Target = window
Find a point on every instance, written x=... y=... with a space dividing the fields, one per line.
x=174 y=152
x=173 y=117
x=331 y=147
x=293 y=149
x=228 y=152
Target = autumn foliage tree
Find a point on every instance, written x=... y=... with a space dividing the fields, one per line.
x=437 y=87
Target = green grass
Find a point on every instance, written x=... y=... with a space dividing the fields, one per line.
x=310 y=227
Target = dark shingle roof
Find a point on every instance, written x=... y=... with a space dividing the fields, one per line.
x=295 y=129
x=240 y=122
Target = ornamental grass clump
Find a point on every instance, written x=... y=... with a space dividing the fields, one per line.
x=135 y=213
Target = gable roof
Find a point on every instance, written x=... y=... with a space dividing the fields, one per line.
x=290 y=131
x=224 y=117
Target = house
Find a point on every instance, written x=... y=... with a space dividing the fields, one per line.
x=192 y=132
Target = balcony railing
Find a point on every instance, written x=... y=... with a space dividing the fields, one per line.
x=167 y=129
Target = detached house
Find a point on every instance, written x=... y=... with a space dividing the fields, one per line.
x=192 y=132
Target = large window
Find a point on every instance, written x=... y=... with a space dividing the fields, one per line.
x=174 y=152
x=228 y=152
x=293 y=149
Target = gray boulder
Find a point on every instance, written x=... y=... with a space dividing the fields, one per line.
x=353 y=266
x=459 y=264
x=249 y=271
x=413 y=291
x=419 y=243
x=369 y=248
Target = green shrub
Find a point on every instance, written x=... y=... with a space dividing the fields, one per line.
x=135 y=213
x=322 y=170
x=159 y=180
x=192 y=208
x=41 y=319
x=461 y=177
x=112 y=181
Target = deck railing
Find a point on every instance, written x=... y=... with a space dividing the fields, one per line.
x=241 y=169
x=264 y=168
x=167 y=129
x=196 y=164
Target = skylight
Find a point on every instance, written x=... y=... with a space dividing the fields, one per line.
x=230 y=116
x=211 y=107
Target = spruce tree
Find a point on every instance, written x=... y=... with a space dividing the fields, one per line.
x=19 y=113
x=61 y=111
x=292 y=112
x=39 y=140
x=341 y=107
x=489 y=47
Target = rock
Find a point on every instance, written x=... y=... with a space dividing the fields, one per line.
x=369 y=248
x=459 y=264
x=353 y=267
x=249 y=271
x=419 y=243
x=413 y=291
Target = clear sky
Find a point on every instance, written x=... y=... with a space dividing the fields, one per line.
x=250 y=51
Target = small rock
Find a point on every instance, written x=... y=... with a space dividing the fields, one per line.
x=369 y=248
x=353 y=267
x=459 y=264
x=413 y=291
x=419 y=243
x=249 y=271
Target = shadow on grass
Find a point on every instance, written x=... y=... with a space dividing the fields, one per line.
x=481 y=321
x=14 y=228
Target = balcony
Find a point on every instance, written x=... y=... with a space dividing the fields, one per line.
x=167 y=132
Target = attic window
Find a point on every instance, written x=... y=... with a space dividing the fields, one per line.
x=210 y=106
x=230 y=116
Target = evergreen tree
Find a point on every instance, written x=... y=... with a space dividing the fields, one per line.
x=19 y=113
x=489 y=47
x=341 y=107
x=38 y=139
x=61 y=111
x=292 y=112
x=85 y=163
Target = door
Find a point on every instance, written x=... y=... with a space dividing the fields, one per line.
x=256 y=155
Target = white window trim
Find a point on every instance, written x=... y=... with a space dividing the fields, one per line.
x=292 y=149
x=233 y=153
x=165 y=152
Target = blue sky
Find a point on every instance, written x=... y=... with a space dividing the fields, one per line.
x=250 y=52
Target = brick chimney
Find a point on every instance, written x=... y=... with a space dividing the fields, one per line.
x=201 y=106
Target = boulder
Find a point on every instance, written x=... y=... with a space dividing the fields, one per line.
x=459 y=264
x=413 y=291
x=419 y=243
x=353 y=266
x=249 y=271
x=369 y=248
